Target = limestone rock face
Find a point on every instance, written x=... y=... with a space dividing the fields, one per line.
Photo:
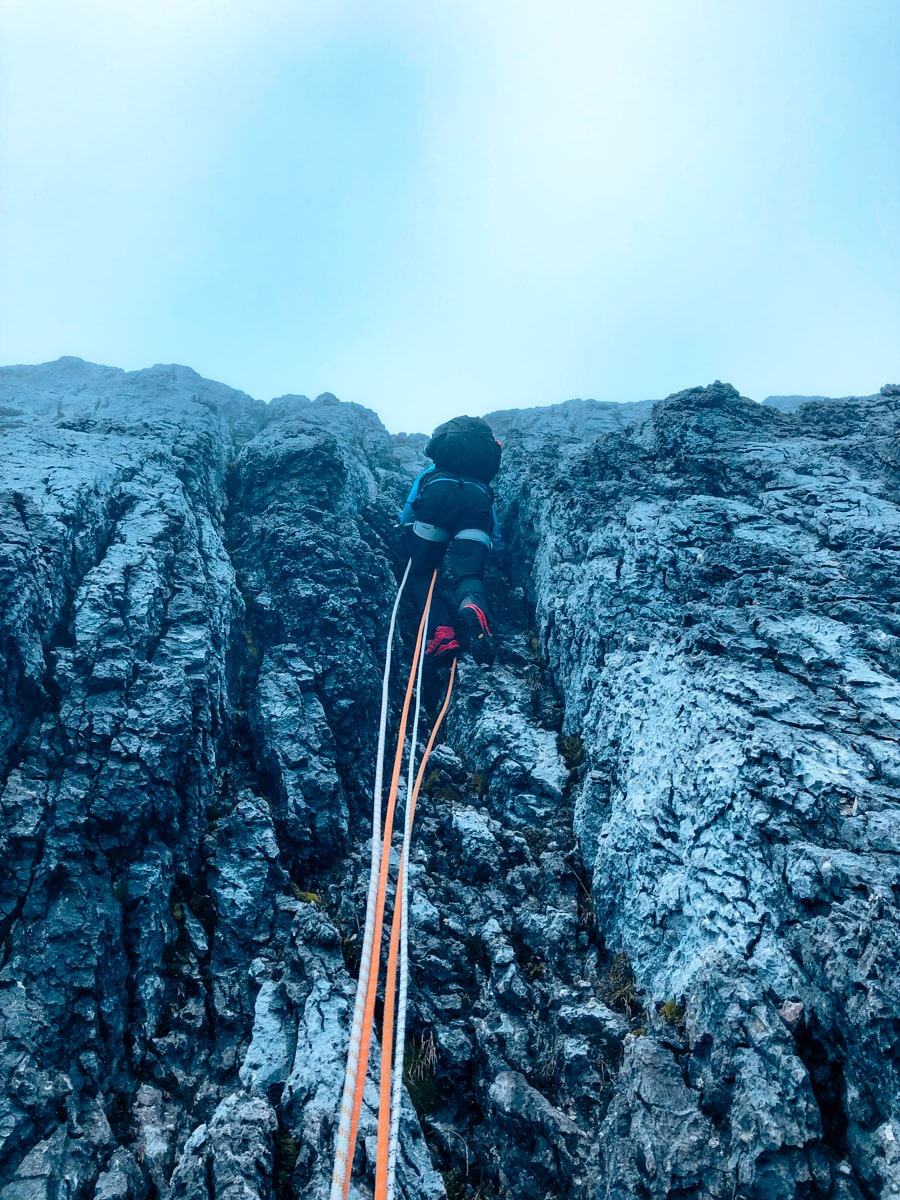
x=654 y=887
x=718 y=595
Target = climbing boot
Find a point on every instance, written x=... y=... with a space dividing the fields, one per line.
x=475 y=633
x=443 y=646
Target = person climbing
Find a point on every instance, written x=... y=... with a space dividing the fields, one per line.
x=450 y=510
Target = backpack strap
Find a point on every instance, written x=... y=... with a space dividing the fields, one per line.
x=454 y=477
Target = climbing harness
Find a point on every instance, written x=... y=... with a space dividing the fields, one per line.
x=430 y=533
x=367 y=982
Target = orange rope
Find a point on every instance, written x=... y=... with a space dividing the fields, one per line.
x=369 y=1011
x=385 y=1123
x=342 y=1137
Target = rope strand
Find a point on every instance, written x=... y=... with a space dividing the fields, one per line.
x=387 y=1030
x=367 y=981
x=403 y=889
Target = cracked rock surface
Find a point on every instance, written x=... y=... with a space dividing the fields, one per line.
x=718 y=593
x=654 y=884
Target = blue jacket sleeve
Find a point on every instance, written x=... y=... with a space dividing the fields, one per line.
x=407 y=516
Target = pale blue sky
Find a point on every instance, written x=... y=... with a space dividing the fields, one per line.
x=457 y=206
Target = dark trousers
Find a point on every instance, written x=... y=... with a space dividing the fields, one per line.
x=454 y=519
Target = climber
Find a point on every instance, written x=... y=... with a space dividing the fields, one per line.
x=451 y=509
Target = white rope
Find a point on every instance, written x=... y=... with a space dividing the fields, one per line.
x=340 y=1181
x=400 y=903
